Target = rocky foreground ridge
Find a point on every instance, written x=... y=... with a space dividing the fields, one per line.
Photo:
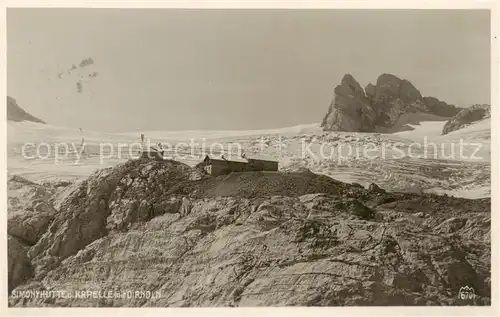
x=16 y=113
x=466 y=117
x=245 y=239
x=387 y=106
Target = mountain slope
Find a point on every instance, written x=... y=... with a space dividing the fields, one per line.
x=150 y=226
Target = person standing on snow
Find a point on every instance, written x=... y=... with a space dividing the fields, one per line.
x=160 y=149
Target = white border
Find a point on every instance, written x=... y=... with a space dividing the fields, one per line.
x=288 y=311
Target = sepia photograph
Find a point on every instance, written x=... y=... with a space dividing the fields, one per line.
x=190 y=157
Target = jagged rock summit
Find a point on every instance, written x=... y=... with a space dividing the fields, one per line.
x=466 y=117
x=388 y=106
x=16 y=113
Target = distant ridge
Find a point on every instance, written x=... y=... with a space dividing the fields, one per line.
x=16 y=113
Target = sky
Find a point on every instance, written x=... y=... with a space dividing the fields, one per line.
x=181 y=69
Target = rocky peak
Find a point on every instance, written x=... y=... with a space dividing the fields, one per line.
x=408 y=92
x=388 y=84
x=380 y=107
x=390 y=87
x=349 y=85
x=349 y=111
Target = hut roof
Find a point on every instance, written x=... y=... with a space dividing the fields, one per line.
x=231 y=158
x=260 y=158
x=234 y=158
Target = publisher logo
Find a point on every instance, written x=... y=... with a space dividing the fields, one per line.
x=466 y=293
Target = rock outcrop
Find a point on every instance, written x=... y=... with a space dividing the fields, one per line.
x=253 y=239
x=350 y=110
x=466 y=117
x=19 y=266
x=387 y=106
x=441 y=108
x=30 y=209
x=16 y=113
